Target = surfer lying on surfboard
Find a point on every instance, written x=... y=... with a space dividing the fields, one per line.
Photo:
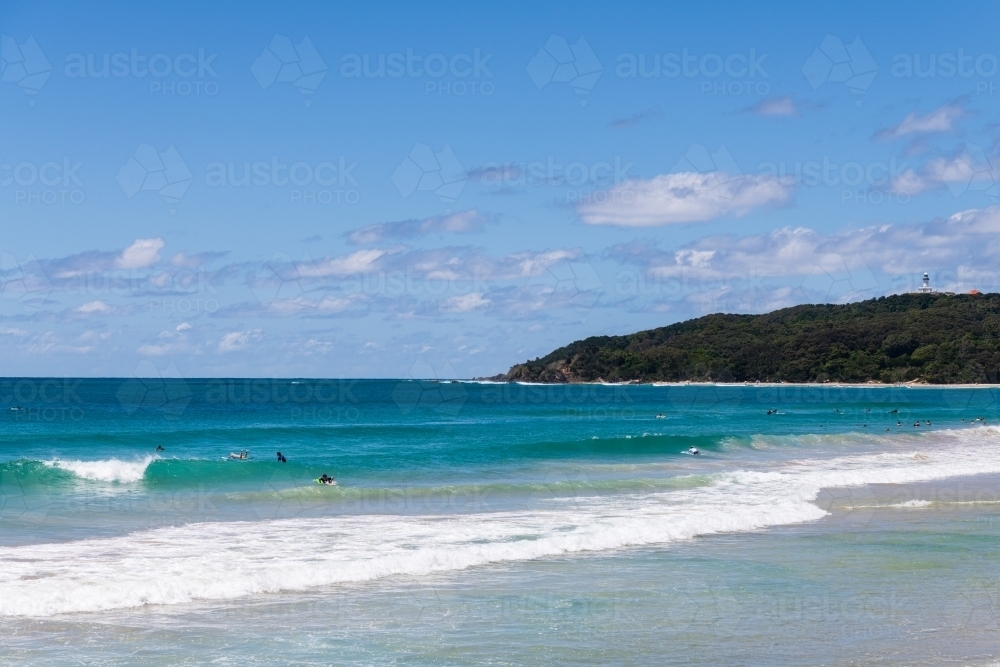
x=242 y=456
x=327 y=480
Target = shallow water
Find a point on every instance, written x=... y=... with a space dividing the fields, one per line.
x=498 y=524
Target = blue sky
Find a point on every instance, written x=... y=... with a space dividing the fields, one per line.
x=313 y=189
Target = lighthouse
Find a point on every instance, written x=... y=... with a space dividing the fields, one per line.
x=925 y=288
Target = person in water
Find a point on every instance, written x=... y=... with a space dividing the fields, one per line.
x=326 y=479
x=159 y=448
x=281 y=459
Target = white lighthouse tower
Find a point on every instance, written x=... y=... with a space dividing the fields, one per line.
x=926 y=287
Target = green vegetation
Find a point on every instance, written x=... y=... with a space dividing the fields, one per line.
x=934 y=338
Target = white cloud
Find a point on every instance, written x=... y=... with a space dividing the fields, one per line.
x=326 y=305
x=941 y=119
x=462 y=222
x=9 y=331
x=237 y=340
x=775 y=106
x=94 y=308
x=448 y=263
x=154 y=350
x=937 y=173
x=194 y=261
x=967 y=238
x=141 y=254
x=972 y=170
x=683 y=197
x=361 y=261
x=464 y=303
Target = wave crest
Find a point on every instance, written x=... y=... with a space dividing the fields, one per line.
x=106 y=470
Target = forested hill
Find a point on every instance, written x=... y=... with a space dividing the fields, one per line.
x=933 y=338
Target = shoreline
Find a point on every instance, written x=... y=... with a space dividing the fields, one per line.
x=838 y=385
x=492 y=380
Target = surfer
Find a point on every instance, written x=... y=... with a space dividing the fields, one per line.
x=242 y=456
x=660 y=416
x=326 y=479
x=281 y=458
x=693 y=451
x=159 y=448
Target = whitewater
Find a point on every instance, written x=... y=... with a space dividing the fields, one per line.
x=212 y=561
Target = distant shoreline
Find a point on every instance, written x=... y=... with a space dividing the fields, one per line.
x=839 y=385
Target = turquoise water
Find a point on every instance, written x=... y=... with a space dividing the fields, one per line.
x=496 y=524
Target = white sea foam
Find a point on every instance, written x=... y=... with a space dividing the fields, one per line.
x=107 y=470
x=912 y=504
x=217 y=561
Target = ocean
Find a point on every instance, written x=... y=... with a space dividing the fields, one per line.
x=504 y=524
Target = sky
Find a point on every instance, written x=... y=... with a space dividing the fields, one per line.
x=430 y=191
